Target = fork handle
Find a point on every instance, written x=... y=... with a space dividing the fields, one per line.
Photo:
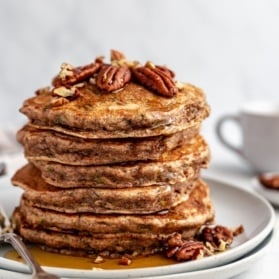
x=20 y=247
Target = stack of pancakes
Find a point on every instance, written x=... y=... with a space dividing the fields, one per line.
x=112 y=172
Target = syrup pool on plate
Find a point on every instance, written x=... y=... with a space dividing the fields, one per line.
x=64 y=261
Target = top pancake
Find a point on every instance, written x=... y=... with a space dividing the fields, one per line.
x=133 y=112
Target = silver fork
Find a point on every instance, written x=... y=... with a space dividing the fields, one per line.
x=19 y=246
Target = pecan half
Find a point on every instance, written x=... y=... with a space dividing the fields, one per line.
x=190 y=250
x=157 y=79
x=217 y=238
x=166 y=70
x=183 y=250
x=69 y=75
x=270 y=181
x=112 y=78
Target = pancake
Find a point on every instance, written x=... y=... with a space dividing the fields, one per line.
x=193 y=212
x=133 y=200
x=52 y=146
x=96 y=233
x=133 y=112
x=114 y=153
x=107 y=245
x=177 y=166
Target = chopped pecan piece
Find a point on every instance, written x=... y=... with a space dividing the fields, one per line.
x=100 y=59
x=99 y=259
x=156 y=78
x=183 y=250
x=65 y=92
x=216 y=238
x=119 y=59
x=125 y=261
x=70 y=75
x=116 y=55
x=189 y=250
x=175 y=240
x=112 y=78
x=238 y=230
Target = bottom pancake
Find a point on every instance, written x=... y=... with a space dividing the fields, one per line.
x=106 y=244
x=100 y=233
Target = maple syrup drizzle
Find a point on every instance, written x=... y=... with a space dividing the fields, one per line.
x=64 y=261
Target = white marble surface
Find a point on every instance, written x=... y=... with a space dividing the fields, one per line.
x=229 y=48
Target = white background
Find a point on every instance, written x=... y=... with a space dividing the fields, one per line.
x=228 y=48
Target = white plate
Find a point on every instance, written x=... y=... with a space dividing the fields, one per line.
x=269 y=194
x=234 y=206
x=221 y=272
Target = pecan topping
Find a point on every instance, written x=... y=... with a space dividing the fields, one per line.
x=184 y=250
x=125 y=261
x=99 y=259
x=70 y=75
x=175 y=239
x=116 y=55
x=208 y=241
x=190 y=250
x=166 y=70
x=112 y=78
x=217 y=238
x=238 y=230
x=117 y=58
x=156 y=78
x=65 y=92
